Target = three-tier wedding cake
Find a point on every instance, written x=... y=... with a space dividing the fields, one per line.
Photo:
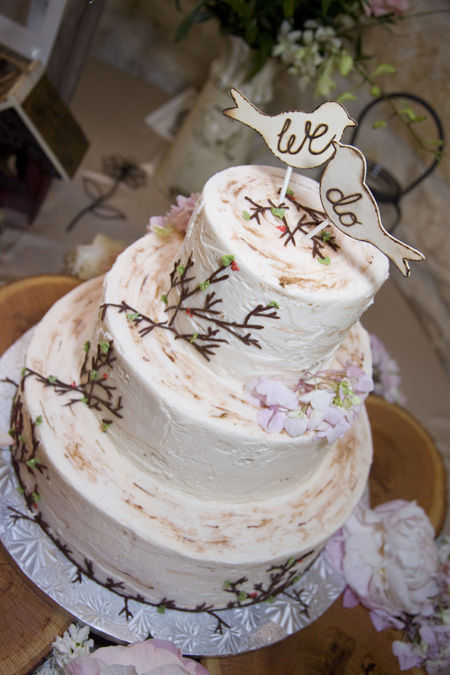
x=166 y=428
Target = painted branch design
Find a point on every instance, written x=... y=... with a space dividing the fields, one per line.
x=208 y=340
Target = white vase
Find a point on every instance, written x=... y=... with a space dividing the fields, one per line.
x=208 y=141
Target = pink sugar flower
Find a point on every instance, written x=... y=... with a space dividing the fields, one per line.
x=177 y=218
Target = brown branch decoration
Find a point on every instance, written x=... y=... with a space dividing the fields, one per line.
x=207 y=341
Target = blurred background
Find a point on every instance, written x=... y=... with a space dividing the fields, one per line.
x=131 y=45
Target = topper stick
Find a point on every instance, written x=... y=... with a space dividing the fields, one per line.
x=316 y=229
x=287 y=178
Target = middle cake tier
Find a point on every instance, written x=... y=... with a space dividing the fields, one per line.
x=189 y=428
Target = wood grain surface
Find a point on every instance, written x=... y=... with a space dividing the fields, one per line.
x=341 y=642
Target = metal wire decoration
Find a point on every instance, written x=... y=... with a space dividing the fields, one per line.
x=384 y=186
x=121 y=170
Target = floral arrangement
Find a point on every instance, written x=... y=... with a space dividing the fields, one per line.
x=317 y=42
x=87 y=261
x=314 y=41
x=73 y=655
x=327 y=402
x=392 y=565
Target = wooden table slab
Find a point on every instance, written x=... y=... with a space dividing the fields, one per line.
x=341 y=642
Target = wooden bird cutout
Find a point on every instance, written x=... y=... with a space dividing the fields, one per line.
x=351 y=207
x=301 y=140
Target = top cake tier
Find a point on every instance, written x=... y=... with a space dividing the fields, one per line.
x=286 y=302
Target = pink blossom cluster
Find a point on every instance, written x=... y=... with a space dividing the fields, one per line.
x=381 y=7
x=386 y=373
x=177 y=218
x=326 y=403
x=392 y=566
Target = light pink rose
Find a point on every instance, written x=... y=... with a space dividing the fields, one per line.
x=380 y=7
x=389 y=559
x=152 y=657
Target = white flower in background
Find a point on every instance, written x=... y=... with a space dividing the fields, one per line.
x=314 y=54
x=90 y=260
x=75 y=642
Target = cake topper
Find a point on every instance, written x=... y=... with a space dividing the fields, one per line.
x=351 y=207
x=301 y=140
x=308 y=140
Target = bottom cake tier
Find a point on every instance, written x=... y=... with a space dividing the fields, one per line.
x=124 y=529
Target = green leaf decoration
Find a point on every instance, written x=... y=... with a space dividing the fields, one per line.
x=22 y=438
x=270 y=599
x=32 y=463
x=345 y=64
x=134 y=316
x=93 y=375
x=105 y=426
x=23 y=371
x=434 y=141
x=375 y=91
x=297 y=578
x=161 y=609
x=38 y=421
x=324 y=261
x=325 y=236
x=204 y=285
x=246 y=215
x=86 y=346
x=181 y=269
x=104 y=346
x=193 y=338
x=36 y=497
x=164 y=298
x=242 y=595
x=291 y=561
x=227 y=260
x=195 y=16
x=84 y=399
x=278 y=213
x=290 y=191
x=227 y=584
x=11 y=432
x=52 y=379
x=20 y=490
x=272 y=303
x=346 y=96
x=383 y=69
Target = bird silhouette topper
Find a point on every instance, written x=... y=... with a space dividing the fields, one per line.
x=351 y=207
x=307 y=140
x=301 y=140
